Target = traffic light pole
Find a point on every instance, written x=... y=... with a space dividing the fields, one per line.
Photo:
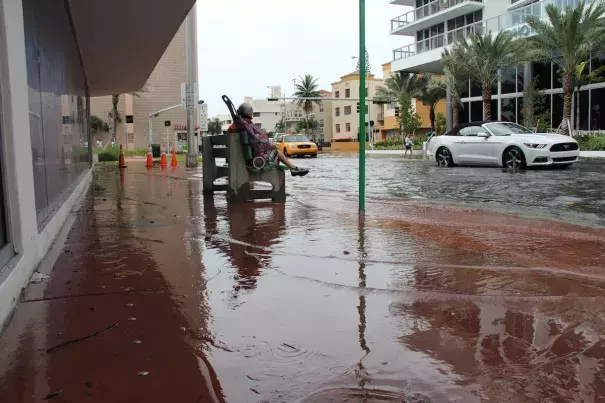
x=362 y=102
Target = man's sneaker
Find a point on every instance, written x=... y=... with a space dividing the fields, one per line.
x=299 y=171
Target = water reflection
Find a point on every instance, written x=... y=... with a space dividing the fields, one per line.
x=256 y=227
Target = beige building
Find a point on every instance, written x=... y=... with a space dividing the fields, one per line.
x=345 y=119
x=162 y=90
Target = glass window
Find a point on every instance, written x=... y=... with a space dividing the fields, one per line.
x=348 y=93
x=556 y=76
x=256 y=114
x=464 y=113
x=557 y=110
x=5 y=250
x=597 y=61
x=337 y=111
x=582 y=123
x=337 y=128
x=347 y=110
x=494 y=105
x=541 y=72
x=348 y=127
x=471 y=131
x=465 y=92
x=337 y=94
x=520 y=78
x=476 y=111
x=475 y=89
x=597 y=109
x=508 y=81
x=505 y=129
x=520 y=110
x=295 y=139
x=508 y=110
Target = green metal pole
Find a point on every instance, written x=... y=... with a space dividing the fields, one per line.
x=362 y=107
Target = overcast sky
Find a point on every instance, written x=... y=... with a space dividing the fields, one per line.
x=246 y=45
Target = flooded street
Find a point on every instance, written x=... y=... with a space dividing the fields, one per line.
x=461 y=285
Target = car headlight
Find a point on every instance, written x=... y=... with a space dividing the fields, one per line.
x=535 y=145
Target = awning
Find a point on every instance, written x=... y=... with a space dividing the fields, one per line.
x=122 y=40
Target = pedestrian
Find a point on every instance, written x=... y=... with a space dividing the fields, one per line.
x=408 y=145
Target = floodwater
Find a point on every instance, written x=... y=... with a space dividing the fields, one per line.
x=441 y=294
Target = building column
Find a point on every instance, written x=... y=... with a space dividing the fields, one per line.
x=22 y=225
x=528 y=77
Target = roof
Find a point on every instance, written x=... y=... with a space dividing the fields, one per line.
x=121 y=41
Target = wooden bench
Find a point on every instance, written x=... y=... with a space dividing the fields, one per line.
x=239 y=170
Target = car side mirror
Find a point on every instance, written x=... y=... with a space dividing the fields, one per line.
x=483 y=134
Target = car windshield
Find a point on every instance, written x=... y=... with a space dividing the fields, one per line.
x=506 y=129
x=295 y=139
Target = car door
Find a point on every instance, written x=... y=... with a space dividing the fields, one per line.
x=476 y=147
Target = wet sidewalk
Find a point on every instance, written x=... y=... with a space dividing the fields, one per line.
x=161 y=294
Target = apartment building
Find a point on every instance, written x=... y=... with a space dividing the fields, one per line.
x=162 y=90
x=437 y=24
x=345 y=118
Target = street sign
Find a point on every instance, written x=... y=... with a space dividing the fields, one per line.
x=203 y=117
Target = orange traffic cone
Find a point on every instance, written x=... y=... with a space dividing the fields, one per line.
x=121 y=162
x=149 y=163
x=173 y=162
x=163 y=160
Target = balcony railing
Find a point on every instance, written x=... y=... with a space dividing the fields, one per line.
x=514 y=21
x=424 y=12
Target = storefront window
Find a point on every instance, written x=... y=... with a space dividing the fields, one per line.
x=508 y=80
x=520 y=111
x=582 y=123
x=509 y=110
x=557 y=110
x=464 y=113
x=476 y=111
x=541 y=72
x=597 y=109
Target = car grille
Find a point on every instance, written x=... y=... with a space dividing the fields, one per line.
x=304 y=146
x=564 y=159
x=564 y=147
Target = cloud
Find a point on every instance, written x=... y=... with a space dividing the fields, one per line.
x=245 y=46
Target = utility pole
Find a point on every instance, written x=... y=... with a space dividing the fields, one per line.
x=362 y=108
x=190 y=87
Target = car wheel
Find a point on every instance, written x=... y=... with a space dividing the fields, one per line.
x=313 y=155
x=513 y=158
x=444 y=157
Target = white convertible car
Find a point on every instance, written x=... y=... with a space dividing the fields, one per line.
x=501 y=144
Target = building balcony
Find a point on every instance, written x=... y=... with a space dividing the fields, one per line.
x=409 y=3
x=425 y=55
x=435 y=12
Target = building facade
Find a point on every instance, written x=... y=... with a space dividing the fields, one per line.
x=162 y=90
x=53 y=57
x=345 y=118
x=436 y=25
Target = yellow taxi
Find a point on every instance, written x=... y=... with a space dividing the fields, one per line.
x=294 y=145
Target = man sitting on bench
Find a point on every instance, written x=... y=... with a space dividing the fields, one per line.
x=260 y=142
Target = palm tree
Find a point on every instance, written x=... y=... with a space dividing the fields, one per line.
x=483 y=56
x=114 y=115
x=568 y=38
x=307 y=88
x=455 y=81
x=400 y=84
x=430 y=95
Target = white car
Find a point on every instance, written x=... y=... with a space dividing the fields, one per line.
x=502 y=144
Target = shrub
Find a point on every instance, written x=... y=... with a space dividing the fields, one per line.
x=109 y=154
x=591 y=143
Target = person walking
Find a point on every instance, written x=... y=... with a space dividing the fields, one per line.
x=408 y=143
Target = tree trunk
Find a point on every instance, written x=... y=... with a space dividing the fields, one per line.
x=455 y=114
x=432 y=117
x=114 y=116
x=487 y=103
x=567 y=100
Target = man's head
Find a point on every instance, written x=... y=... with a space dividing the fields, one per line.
x=245 y=111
